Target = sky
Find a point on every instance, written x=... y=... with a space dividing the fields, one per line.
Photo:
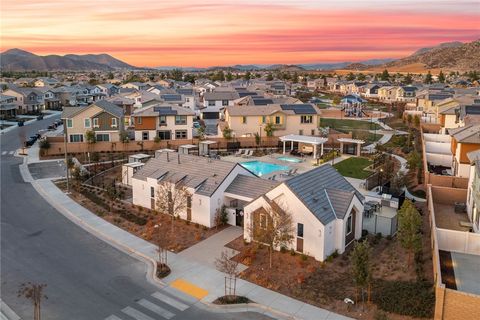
x=227 y=32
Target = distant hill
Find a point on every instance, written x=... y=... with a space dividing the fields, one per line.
x=21 y=60
x=452 y=57
x=453 y=44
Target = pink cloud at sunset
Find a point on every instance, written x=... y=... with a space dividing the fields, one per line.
x=188 y=33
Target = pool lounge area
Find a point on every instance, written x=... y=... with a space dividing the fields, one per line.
x=261 y=168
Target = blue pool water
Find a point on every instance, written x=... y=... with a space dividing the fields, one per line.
x=261 y=168
x=289 y=159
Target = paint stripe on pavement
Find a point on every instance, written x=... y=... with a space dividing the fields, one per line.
x=189 y=288
x=170 y=301
x=134 y=313
x=113 y=317
x=156 y=309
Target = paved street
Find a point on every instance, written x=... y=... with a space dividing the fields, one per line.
x=86 y=278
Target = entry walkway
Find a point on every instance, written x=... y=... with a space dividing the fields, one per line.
x=208 y=250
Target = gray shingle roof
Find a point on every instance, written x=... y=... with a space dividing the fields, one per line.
x=221 y=95
x=191 y=169
x=324 y=191
x=109 y=107
x=250 y=187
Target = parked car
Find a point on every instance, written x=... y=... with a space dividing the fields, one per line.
x=21 y=123
x=51 y=127
x=58 y=123
x=30 y=141
x=40 y=117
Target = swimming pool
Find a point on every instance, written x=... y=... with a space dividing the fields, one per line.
x=289 y=159
x=261 y=168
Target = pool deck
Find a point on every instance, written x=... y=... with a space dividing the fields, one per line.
x=301 y=167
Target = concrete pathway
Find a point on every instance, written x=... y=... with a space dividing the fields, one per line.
x=6 y=313
x=191 y=273
x=404 y=169
x=208 y=250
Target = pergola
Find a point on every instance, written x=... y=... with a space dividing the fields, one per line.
x=204 y=147
x=314 y=141
x=185 y=148
x=358 y=142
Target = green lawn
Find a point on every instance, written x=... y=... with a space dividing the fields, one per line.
x=348 y=125
x=354 y=167
x=368 y=137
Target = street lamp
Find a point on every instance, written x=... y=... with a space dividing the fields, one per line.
x=378 y=180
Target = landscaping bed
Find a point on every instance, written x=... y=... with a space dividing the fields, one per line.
x=138 y=220
x=327 y=284
x=231 y=300
x=354 y=167
x=348 y=125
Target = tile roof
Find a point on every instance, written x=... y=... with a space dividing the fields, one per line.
x=250 y=187
x=172 y=167
x=221 y=95
x=467 y=134
x=324 y=191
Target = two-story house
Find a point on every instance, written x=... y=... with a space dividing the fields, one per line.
x=302 y=119
x=213 y=102
x=8 y=107
x=167 y=122
x=28 y=99
x=104 y=118
x=464 y=140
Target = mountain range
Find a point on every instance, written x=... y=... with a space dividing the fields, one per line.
x=21 y=60
x=449 y=56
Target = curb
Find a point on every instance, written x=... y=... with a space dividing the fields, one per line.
x=7 y=313
x=246 y=307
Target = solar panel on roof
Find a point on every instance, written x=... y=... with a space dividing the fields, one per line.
x=171 y=97
x=299 y=108
x=165 y=111
x=262 y=102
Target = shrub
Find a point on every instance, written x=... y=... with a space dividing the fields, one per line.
x=389 y=237
x=335 y=253
x=292 y=252
x=283 y=249
x=415 y=299
x=303 y=257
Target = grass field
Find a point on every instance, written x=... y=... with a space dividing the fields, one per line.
x=354 y=167
x=348 y=125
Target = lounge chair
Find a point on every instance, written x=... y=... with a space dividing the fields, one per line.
x=248 y=154
x=294 y=172
x=239 y=153
x=286 y=173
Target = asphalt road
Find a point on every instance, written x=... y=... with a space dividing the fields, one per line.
x=85 y=277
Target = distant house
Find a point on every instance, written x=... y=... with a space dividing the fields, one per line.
x=406 y=93
x=46 y=82
x=464 y=140
x=28 y=99
x=167 y=122
x=108 y=89
x=8 y=106
x=327 y=211
x=214 y=101
x=136 y=85
x=302 y=119
x=104 y=118
x=370 y=90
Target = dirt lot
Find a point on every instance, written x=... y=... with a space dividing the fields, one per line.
x=141 y=221
x=328 y=284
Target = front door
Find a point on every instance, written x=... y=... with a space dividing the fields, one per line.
x=299 y=244
x=189 y=208
x=239 y=217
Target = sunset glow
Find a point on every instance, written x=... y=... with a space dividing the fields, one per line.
x=214 y=32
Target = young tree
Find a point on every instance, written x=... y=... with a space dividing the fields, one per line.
x=34 y=293
x=90 y=137
x=269 y=77
x=229 y=76
x=228 y=266
x=416 y=121
x=274 y=228
x=201 y=133
x=162 y=243
x=258 y=140
x=336 y=100
x=385 y=76
x=350 y=76
x=171 y=199
x=362 y=268
x=269 y=129
x=221 y=217
x=428 y=78
x=227 y=132
x=361 y=77
x=409 y=224
x=247 y=76
x=409 y=119
x=441 y=77
x=408 y=79
x=176 y=74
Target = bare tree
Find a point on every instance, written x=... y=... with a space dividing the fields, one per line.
x=172 y=199
x=162 y=244
x=34 y=293
x=228 y=266
x=272 y=226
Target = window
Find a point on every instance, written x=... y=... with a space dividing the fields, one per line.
x=181 y=134
x=114 y=122
x=162 y=120
x=187 y=99
x=263 y=221
x=313 y=132
x=69 y=123
x=87 y=123
x=145 y=135
x=76 y=138
x=139 y=120
x=306 y=119
x=244 y=120
x=95 y=122
x=300 y=230
x=349 y=225
x=102 y=137
x=224 y=103
x=300 y=132
x=152 y=192
x=278 y=120
x=211 y=103
x=180 y=120
x=264 y=119
x=164 y=135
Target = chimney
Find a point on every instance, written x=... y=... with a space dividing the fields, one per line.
x=168 y=158
x=178 y=158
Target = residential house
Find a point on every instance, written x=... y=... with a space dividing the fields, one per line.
x=406 y=93
x=327 y=212
x=214 y=101
x=46 y=82
x=8 y=107
x=190 y=98
x=28 y=99
x=51 y=98
x=302 y=119
x=464 y=140
x=136 y=85
x=108 y=89
x=104 y=118
x=370 y=90
x=167 y=122
x=207 y=189
x=387 y=94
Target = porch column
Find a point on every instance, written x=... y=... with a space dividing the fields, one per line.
x=291 y=145
x=315 y=156
x=359 y=149
x=283 y=146
x=321 y=149
x=341 y=147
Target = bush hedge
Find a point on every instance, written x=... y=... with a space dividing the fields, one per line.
x=415 y=299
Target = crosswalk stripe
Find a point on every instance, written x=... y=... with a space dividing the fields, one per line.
x=134 y=313
x=170 y=301
x=156 y=309
x=4 y=153
x=113 y=317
